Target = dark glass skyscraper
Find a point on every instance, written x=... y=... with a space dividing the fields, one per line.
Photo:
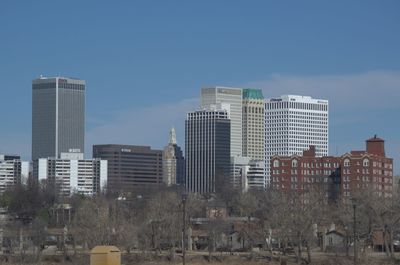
x=207 y=137
x=58 y=116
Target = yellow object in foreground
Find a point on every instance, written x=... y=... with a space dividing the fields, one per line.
x=105 y=255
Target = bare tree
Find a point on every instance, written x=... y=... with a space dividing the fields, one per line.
x=381 y=213
x=162 y=225
x=38 y=228
x=216 y=229
x=249 y=205
x=92 y=224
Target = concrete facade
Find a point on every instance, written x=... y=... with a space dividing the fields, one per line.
x=253 y=124
x=293 y=123
x=12 y=171
x=72 y=174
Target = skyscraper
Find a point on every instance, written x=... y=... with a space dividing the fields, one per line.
x=253 y=124
x=208 y=143
x=231 y=98
x=58 y=116
x=293 y=123
x=173 y=162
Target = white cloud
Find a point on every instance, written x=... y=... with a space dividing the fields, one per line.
x=349 y=96
x=377 y=89
x=360 y=105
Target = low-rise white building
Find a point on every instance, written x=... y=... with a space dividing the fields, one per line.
x=72 y=174
x=239 y=168
x=256 y=175
x=246 y=173
x=12 y=171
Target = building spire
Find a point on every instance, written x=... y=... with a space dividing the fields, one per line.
x=172 y=136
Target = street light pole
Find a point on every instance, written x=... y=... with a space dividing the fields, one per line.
x=184 y=197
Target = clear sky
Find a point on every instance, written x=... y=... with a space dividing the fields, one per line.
x=145 y=61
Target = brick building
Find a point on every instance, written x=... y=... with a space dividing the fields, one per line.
x=344 y=175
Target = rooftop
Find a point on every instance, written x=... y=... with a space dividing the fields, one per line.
x=298 y=98
x=252 y=93
x=375 y=139
x=52 y=79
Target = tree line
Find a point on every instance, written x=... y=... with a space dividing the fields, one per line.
x=150 y=219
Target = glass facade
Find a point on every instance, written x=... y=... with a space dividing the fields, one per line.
x=58 y=116
x=208 y=143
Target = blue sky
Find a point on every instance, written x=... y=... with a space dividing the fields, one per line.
x=145 y=61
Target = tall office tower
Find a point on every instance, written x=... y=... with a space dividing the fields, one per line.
x=70 y=174
x=58 y=116
x=293 y=123
x=173 y=162
x=253 y=124
x=207 y=149
x=231 y=98
x=12 y=171
x=130 y=166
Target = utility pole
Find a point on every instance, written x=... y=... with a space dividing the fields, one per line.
x=354 y=233
x=184 y=198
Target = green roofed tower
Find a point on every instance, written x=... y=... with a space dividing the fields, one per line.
x=252 y=93
x=254 y=125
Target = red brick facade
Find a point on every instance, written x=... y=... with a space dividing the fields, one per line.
x=344 y=175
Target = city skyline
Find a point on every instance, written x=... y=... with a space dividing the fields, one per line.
x=355 y=65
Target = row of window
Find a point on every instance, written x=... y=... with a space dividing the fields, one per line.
x=293 y=118
x=297 y=115
x=366 y=163
x=277 y=163
x=296 y=105
x=255 y=110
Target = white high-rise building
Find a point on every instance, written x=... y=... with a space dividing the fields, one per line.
x=293 y=123
x=231 y=97
x=72 y=174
